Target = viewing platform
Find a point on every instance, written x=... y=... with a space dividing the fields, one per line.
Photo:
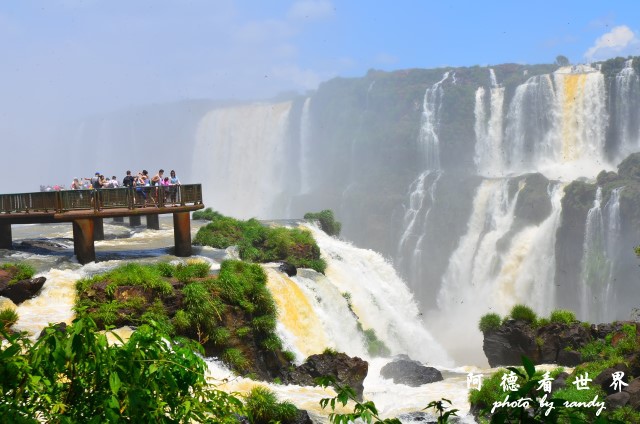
x=86 y=209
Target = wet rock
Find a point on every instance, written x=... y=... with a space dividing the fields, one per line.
x=288 y=269
x=21 y=290
x=559 y=343
x=350 y=371
x=634 y=393
x=410 y=372
x=507 y=344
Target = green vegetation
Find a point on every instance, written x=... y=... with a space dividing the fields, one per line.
x=8 y=317
x=606 y=351
x=327 y=221
x=375 y=346
x=526 y=401
x=258 y=243
x=262 y=407
x=74 y=375
x=524 y=313
x=233 y=315
x=562 y=316
x=18 y=272
x=207 y=214
x=489 y=322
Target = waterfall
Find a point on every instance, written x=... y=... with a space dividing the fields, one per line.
x=421 y=198
x=595 y=264
x=600 y=250
x=497 y=263
x=240 y=157
x=625 y=106
x=556 y=124
x=428 y=139
x=379 y=298
x=305 y=148
x=489 y=141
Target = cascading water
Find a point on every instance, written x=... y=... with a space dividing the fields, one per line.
x=488 y=128
x=556 y=125
x=602 y=232
x=231 y=141
x=305 y=148
x=429 y=139
x=625 y=105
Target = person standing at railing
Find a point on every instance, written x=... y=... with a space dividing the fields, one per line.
x=113 y=183
x=76 y=185
x=129 y=180
x=175 y=182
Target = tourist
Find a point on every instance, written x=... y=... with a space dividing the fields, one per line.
x=76 y=185
x=175 y=181
x=113 y=183
x=129 y=180
x=157 y=179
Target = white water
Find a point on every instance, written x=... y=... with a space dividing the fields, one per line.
x=600 y=249
x=627 y=117
x=488 y=127
x=239 y=157
x=429 y=139
x=305 y=148
x=496 y=266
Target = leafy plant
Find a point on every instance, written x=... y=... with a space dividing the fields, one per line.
x=441 y=409
x=74 y=375
x=365 y=411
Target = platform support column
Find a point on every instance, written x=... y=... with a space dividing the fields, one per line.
x=98 y=229
x=83 y=245
x=134 y=220
x=153 y=222
x=5 y=236
x=182 y=233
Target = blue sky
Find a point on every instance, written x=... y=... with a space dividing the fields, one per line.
x=69 y=57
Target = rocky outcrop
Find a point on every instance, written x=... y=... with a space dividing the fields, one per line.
x=509 y=342
x=404 y=370
x=288 y=269
x=19 y=291
x=348 y=371
x=554 y=343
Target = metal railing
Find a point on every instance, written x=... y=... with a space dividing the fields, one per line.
x=106 y=198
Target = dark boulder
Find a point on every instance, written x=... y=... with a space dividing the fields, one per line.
x=348 y=371
x=288 y=269
x=412 y=373
x=559 y=343
x=634 y=393
x=60 y=327
x=21 y=290
x=616 y=400
x=605 y=378
x=507 y=344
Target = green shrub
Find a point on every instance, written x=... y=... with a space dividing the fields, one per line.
x=289 y=356
x=236 y=359
x=8 y=317
x=375 y=346
x=18 y=272
x=258 y=243
x=562 y=316
x=195 y=269
x=327 y=221
x=272 y=343
x=243 y=332
x=262 y=407
x=523 y=313
x=206 y=214
x=489 y=322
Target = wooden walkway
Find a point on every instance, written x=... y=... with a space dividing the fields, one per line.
x=86 y=209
